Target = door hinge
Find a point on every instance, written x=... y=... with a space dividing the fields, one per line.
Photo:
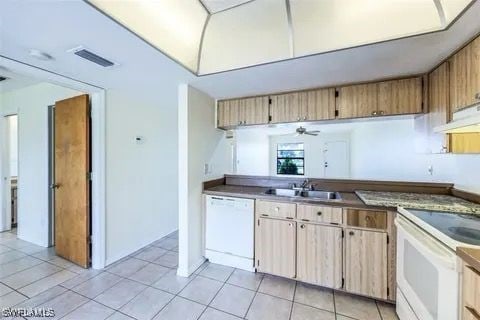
x=337 y=113
x=388 y=291
x=343 y=282
x=89 y=239
x=89 y=176
x=269 y=100
x=337 y=93
x=343 y=233
x=258 y=222
x=388 y=239
x=269 y=118
x=258 y=263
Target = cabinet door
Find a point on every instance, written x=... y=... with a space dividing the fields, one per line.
x=465 y=76
x=317 y=104
x=275 y=249
x=366 y=263
x=275 y=209
x=357 y=101
x=286 y=107
x=228 y=113
x=403 y=96
x=319 y=255
x=322 y=214
x=471 y=292
x=254 y=110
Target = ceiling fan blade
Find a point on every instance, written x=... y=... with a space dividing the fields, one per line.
x=311 y=133
x=315 y=131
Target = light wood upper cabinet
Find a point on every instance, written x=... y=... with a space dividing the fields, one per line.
x=403 y=96
x=357 y=101
x=275 y=248
x=239 y=112
x=254 y=110
x=465 y=76
x=366 y=263
x=319 y=255
x=228 y=113
x=309 y=105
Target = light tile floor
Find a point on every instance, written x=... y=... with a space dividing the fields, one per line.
x=145 y=286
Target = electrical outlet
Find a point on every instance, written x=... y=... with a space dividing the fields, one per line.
x=430 y=170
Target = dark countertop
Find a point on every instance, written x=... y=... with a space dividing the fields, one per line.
x=471 y=256
x=348 y=199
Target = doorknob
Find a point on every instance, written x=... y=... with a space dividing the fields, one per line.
x=54 y=186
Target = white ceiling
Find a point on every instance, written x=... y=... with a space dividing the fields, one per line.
x=207 y=40
x=57 y=26
x=15 y=81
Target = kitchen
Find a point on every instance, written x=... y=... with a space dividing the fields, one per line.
x=413 y=244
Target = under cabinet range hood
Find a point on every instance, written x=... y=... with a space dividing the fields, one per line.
x=466 y=120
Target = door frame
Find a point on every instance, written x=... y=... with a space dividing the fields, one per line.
x=6 y=213
x=98 y=148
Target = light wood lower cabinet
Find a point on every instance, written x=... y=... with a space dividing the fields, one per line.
x=366 y=263
x=275 y=209
x=276 y=253
x=324 y=214
x=319 y=255
x=471 y=293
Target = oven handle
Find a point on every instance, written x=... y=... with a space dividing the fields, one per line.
x=432 y=248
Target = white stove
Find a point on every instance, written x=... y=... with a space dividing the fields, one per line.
x=428 y=270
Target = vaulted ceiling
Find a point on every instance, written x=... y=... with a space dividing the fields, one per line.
x=210 y=36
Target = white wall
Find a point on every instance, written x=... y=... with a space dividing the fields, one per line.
x=12 y=125
x=379 y=150
x=200 y=144
x=31 y=105
x=141 y=179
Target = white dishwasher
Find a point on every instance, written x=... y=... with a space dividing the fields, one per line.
x=229 y=231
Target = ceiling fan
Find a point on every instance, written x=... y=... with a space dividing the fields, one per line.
x=301 y=131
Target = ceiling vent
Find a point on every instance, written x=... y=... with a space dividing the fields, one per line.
x=92 y=57
x=3 y=78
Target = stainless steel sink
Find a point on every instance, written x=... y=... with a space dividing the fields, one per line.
x=283 y=192
x=327 y=195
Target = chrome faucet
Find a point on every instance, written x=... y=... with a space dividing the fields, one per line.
x=305 y=186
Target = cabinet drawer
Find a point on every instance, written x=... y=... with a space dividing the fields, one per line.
x=319 y=214
x=471 y=291
x=275 y=209
x=366 y=218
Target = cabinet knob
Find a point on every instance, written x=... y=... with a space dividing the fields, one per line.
x=277 y=209
x=239 y=122
x=305 y=118
x=290 y=224
x=382 y=112
x=319 y=213
x=477 y=96
x=351 y=233
x=298 y=119
x=302 y=226
x=374 y=113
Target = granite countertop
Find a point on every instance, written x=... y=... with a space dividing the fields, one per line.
x=348 y=199
x=471 y=256
x=434 y=202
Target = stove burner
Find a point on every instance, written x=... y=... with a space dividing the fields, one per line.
x=465 y=232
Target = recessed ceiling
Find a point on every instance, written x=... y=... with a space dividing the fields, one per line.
x=211 y=36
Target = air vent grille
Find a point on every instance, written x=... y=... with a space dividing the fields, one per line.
x=3 y=78
x=90 y=56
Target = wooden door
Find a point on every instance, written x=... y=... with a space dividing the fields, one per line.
x=286 y=107
x=319 y=255
x=254 y=110
x=72 y=179
x=317 y=104
x=275 y=248
x=366 y=263
x=465 y=76
x=228 y=113
x=357 y=101
x=403 y=96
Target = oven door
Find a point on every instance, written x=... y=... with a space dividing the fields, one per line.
x=427 y=273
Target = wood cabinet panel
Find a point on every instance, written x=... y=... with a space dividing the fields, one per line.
x=366 y=263
x=465 y=76
x=228 y=113
x=319 y=255
x=322 y=214
x=276 y=249
x=317 y=104
x=275 y=209
x=403 y=96
x=254 y=110
x=357 y=101
x=366 y=218
x=471 y=290
x=285 y=107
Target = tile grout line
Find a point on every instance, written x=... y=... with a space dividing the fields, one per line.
x=293 y=300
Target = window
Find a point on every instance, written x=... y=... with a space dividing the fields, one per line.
x=290 y=159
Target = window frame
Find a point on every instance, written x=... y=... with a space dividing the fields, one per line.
x=291 y=158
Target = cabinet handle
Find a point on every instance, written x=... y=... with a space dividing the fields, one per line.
x=477 y=96
x=298 y=119
x=264 y=215
x=351 y=233
x=473 y=312
x=382 y=112
x=290 y=224
x=302 y=226
x=277 y=209
x=240 y=122
x=319 y=213
x=374 y=113
x=305 y=118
